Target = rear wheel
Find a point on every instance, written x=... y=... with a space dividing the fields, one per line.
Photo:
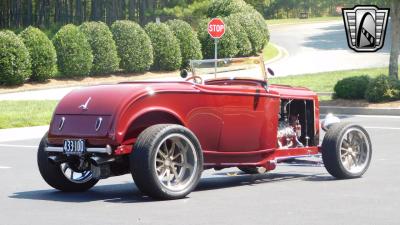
x=346 y=150
x=167 y=161
x=65 y=176
x=253 y=169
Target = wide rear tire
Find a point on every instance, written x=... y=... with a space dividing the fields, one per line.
x=167 y=161
x=346 y=150
x=54 y=176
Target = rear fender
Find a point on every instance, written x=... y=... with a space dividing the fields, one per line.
x=146 y=118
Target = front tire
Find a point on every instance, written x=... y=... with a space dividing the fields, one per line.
x=166 y=162
x=346 y=150
x=56 y=175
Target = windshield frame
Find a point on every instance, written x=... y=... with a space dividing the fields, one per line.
x=263 y=77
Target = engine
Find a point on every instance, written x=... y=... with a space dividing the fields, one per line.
x=290 y=127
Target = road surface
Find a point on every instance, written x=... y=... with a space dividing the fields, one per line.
x=321 y=47
x=300 y=193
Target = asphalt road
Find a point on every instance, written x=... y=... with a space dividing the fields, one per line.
x=321 y=47
x=301 y=193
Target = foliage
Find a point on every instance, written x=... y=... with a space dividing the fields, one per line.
x=192 y=13
x=256 y=29
x=105 y=57
x=189 y=43
x=167 y=53
x=133 y=45
x=228 y=7
x=351 y=87
x=242 y=40
x=15 y=63
x=42 y=52
x=383 y=88
x=227 y=45
x=74 y=55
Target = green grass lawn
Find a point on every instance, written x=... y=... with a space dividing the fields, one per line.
x=309 y=20
x=25 y=113
x=270 y=51
x=324 y=82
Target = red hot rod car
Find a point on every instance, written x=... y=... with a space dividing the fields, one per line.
x=166 y=133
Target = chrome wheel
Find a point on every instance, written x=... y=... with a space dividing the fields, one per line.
x=78 y=177
x=355 y=151
x=176 y=162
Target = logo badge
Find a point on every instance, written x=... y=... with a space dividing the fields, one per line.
x=365 y=27
x=84 y=106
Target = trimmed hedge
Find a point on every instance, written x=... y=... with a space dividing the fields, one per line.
x=189 y=43
x=15 y=63
x=242 y=40
x=383 y=88
x=133 y=45
x=255 y=28
x=74 y=54
x=105 y=56
x=167 y=53
x=228 y=7
x=351 y=87
x=227 y=45
x=42 y=52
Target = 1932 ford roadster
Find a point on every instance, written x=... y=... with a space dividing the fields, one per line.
x=166 y=133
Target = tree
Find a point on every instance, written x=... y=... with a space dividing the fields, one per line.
x=394 y=52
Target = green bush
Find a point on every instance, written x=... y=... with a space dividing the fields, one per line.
x=133 y=45
x=189 y=43
x=105 y=56
x=255 y=28
x=228 y=7
x=167 y=53
x=351 y=87
x=227 y=45
x=242 y=40
x=42 y=52
x=15 y=63
x=74 y=55
x=383 y=88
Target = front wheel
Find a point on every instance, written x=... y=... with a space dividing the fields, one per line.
x=166 y=162
x=65 y=176
x=346 y=150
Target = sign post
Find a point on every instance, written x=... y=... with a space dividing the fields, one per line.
x=216 y=29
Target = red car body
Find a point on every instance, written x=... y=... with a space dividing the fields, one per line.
x=166 y=133
x=236 y=121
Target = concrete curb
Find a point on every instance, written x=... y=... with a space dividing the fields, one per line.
x=282 y=53
x=360 y=111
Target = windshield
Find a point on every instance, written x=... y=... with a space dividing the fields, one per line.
x=230 y=68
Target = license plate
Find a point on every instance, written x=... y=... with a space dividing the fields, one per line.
x=76 y=147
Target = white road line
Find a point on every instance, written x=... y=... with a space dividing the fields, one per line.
x=18 y=146
x=5 y=167
x=384 y=128
x=366 y=116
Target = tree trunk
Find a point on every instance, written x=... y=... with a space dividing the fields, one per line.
x=132 y=9
x=394 y=52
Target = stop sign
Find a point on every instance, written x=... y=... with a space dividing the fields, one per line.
x=216 y=28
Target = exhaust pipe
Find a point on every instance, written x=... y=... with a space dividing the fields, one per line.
x=98 y=161
x=55 y=160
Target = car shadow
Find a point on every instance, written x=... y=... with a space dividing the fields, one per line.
x=129 y=193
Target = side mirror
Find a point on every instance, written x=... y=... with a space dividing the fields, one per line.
x=184 y=73
x=270 y=71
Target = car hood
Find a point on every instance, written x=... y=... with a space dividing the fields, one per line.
x=286 y=91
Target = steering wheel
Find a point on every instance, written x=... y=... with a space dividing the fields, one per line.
x=196 y=79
